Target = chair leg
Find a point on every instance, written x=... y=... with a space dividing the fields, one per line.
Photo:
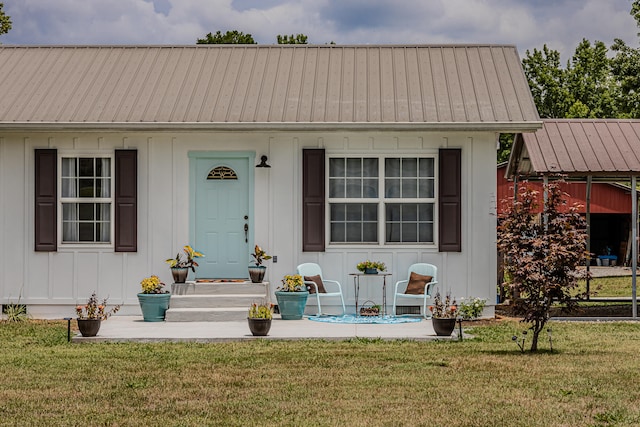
x=393 y=310
x=425 y=313
x=344 y=310
x=319 y=306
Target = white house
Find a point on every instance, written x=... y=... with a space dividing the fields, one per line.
x=111 y=159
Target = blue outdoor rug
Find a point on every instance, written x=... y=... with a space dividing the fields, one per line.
x=349 y=318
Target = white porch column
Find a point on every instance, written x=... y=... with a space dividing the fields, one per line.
x=634 y=243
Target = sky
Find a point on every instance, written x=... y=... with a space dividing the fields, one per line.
x=528 y=24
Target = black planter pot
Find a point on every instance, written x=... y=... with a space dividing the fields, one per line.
x=256 y=272
x=259 y=327
x=89 y=327
x=179 y=274
x=443 y=327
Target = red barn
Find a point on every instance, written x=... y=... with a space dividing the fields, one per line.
x=610 y=210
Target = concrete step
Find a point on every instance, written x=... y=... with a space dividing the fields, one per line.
x=206 y=314
x=208 y=288
x=216 y=301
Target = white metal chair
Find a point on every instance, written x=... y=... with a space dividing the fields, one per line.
x=309 y=270
x=401 y=286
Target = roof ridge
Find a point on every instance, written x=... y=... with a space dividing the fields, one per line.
x=258 y=46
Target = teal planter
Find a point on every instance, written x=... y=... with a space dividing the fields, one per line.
x=291 y=304
x=154 y=306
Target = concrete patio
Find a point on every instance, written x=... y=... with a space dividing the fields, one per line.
x=133 y=328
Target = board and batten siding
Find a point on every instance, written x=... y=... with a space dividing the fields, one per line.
x=52 y=282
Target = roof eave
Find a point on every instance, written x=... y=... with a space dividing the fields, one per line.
x=579 y=176
x=504 y=127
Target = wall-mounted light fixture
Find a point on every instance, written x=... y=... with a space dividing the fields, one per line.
x=263 y=163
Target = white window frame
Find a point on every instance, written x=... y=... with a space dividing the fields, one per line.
x=111 y=200
x=381 y=201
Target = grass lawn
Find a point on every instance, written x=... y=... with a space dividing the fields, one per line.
x=608 y=286
x=590 y=379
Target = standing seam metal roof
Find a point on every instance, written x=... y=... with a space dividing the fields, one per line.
x=209 y=84
x=605 y=147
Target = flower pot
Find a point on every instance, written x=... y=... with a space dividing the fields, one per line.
x=259 y=327
x=256 y=272
x=179 y=274
x=292 y=304
x=89 y=327
x=443 y=327
x=154 y=306
x=370 y=271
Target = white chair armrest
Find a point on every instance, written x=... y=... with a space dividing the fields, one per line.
x=400 y=282
x=311 y=282
x=334 y=282
x=429 y=287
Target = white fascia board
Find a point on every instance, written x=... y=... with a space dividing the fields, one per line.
x=505 y=127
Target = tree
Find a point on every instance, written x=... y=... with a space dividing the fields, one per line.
x=547 y=81
x=297 y=39
x=238 y=37
x=505 y=143
x=625 y=67
x=635 y=12
x=584 y=88
x=590 y=82
x=541 y=256
x=5 y=21
x=230 y=37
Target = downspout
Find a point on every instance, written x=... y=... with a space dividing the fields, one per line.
x=588 y=217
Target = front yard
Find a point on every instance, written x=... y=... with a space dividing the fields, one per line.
x=591 y=378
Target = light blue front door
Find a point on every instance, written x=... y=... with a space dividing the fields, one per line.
x=221 y=210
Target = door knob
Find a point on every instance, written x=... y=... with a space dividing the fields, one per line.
x=246 y=233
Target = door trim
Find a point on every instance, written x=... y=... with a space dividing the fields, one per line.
x=194 y=156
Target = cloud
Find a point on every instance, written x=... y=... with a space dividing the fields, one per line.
x=561 y=24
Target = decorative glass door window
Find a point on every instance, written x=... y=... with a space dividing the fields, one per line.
x=86 y=199
x=371 y=198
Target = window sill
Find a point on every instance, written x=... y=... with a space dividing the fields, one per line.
x=341 y=246
x=91 y=247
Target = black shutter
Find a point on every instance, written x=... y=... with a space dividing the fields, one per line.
x=126 y=201
x=450 y=200
x=313 y=200
x=46 y=196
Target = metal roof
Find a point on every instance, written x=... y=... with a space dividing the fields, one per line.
x=455 y=86
x=578 y=147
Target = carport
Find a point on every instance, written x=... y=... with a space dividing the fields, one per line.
x=586 y=150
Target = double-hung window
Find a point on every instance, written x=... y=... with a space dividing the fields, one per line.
x=86 y=198
x=382 y=200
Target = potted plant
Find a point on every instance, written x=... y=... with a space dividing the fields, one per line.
x=256 y=272
x=443 y=314
x=371 y=267
x=370 y=310
x=182 y=263
x=154 y=300
x=259 y=318
x=292 y=297
x=91 y=315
